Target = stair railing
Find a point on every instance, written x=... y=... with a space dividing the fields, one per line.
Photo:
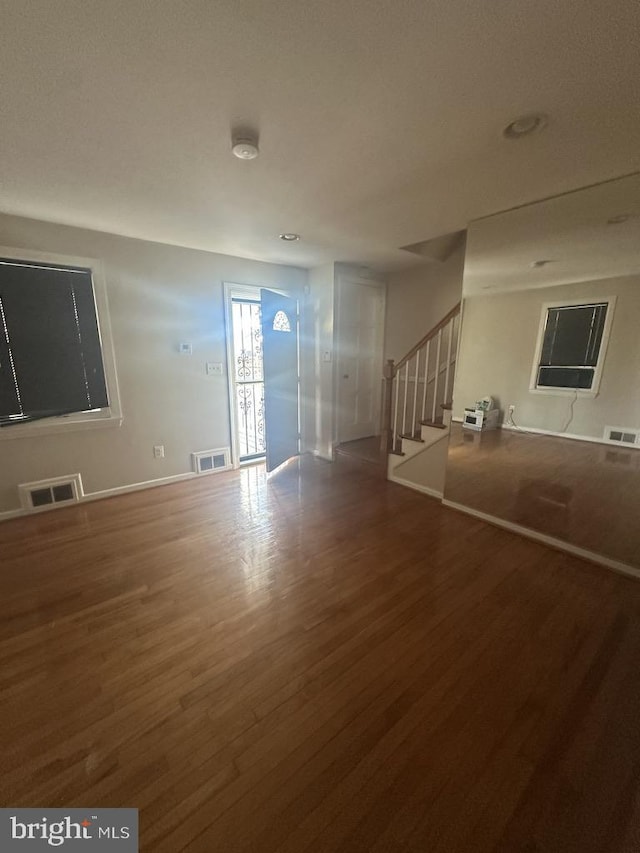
x=422 y=381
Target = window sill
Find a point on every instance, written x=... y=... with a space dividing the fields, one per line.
x=565 y=392
x=64 y=424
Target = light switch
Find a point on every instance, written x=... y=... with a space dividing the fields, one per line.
x=185 y=349
x=214 y=368
x=326 y=355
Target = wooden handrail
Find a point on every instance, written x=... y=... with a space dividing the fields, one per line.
x=394 y=412
x=429 y=336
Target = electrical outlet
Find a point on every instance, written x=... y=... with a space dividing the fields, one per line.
x=214 y=368
x=158 y=451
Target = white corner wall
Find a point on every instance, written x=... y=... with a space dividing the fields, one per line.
x=159 y=296
x=417 y=299
x=318 y=335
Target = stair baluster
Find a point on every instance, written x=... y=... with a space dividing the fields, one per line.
x=393 y=424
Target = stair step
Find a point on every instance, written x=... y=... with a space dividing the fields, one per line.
x=447 y=407
x=436 y=424
x=413 y=438
x=396 y=453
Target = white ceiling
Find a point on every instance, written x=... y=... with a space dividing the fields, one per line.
x=380 y=122
x=572 y=232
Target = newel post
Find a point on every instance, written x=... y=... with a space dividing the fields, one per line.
x=386 y=431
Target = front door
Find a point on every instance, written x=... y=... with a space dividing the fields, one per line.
x=280 y=363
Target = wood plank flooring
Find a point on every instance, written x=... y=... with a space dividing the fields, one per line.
x=582 y=492
x=367 y=449
x=321 y=662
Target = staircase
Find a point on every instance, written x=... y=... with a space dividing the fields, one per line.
x=417 y=410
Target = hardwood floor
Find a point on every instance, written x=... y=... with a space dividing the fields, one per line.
x=584 y=493
x=321 y=662
x=366 y=450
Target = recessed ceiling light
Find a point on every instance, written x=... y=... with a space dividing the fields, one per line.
x=245 y=148
x=541 y=263
x=524 y=125
x=289 y=237
x=619 y=219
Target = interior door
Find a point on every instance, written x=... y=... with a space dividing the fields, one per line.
x=360 y=332
x=280 y=365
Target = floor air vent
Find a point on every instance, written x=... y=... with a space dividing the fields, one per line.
x=44 y=493
x=208 y=461
x=623 y=435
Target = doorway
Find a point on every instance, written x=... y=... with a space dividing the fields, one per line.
x=360 y=332
x=263 y=373
x=247 y=369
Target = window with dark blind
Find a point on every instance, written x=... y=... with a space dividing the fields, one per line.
x=50 y=354
x=571 y=346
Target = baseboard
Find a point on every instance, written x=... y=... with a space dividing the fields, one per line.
x=138 y=487
x=320 y=455
x=571 y=435
x=551 y=541
x=15 y=513
x=104 y=493
x=417 y=487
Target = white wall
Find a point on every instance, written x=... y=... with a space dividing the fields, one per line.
x=159 y=295
x=318 y=332
x=499 y=335
x=417 y=299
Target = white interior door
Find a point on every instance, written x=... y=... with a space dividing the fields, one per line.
x=360 y=329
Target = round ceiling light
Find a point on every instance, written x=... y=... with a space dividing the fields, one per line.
x=245 y=148
x=524 y=125
x=289 y=237
x=535 y=265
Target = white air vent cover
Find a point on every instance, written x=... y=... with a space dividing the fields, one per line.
x=622 y=435
x=210 y=461
x=43 y=494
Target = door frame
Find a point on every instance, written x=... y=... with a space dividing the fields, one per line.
x=342 y=278
x=241 y=291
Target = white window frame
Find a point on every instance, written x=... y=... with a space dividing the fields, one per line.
x=107 y=417
x=534 y=388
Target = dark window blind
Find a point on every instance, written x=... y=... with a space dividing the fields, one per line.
x=571 y=346
x=50 y=354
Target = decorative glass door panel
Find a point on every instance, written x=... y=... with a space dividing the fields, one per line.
x=248 y=378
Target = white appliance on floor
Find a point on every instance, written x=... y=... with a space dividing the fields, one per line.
x=480 y=420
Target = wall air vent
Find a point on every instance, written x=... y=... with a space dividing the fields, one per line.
x=622 y=435
x=44 y=494
x=210 y=461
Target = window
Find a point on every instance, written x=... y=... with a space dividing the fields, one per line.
x=281 y=322
x=571 y=346
x=51 y=358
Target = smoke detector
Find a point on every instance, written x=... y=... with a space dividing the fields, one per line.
x=245 y=147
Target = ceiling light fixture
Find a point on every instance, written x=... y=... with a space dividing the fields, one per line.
x=245 y=147
x=289 y=237
x=541 y=263
x=524 y=125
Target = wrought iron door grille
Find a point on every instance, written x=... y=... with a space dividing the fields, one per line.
x=248 y=377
